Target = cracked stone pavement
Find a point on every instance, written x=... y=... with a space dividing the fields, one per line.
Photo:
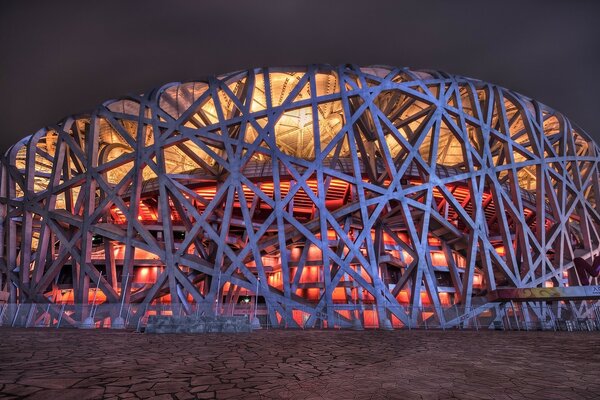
x=288 y=364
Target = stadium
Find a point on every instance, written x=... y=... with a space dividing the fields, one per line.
x=306 y=197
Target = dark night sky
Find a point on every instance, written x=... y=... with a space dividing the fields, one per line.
x=61 y=58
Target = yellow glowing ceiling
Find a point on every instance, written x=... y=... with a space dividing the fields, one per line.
x=293 y=119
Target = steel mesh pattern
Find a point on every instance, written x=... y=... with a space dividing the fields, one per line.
x=330 y=191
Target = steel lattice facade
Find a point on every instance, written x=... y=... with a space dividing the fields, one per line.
x=330 y=191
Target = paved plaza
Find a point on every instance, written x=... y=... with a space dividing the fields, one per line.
x=75 y=364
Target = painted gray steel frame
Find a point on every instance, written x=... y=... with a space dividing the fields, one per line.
x=381 y=198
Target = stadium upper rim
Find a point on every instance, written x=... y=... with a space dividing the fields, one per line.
x=422 y=75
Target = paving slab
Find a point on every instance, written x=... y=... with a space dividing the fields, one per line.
x=288 y=364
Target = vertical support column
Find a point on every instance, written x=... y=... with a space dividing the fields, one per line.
x=4 y=274
x=134 y=201
x=85 y=261
x=27 y=219
x=110 y=265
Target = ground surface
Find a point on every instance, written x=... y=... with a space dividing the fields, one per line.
x=71 y=364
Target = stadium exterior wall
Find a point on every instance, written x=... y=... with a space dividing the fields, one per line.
x=329 y=196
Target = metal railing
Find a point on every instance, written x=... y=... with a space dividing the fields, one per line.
x=559 y=316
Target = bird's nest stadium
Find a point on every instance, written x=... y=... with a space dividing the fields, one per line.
x=309 y=197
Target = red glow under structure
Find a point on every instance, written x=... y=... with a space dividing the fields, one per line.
x=328 y=194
